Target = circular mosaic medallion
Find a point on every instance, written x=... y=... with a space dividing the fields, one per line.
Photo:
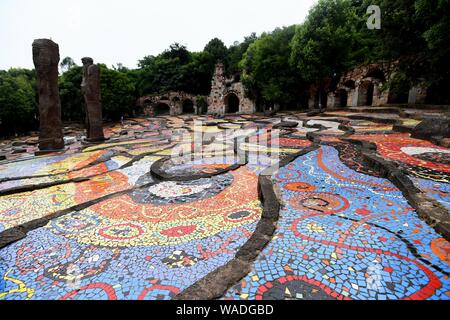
x=171 y=192
x=158 y=291
x=296 y=288
x=10 y=214
x=313 y=203
x=246 y=214
x=192 y=210
x=122 y=232
x=32 y=257
x=93 y=291
x=299 y=187
x=289 y=174
x=179 y=231
x=171 y=189
x=92 y=261
x=11 y=210
x=75 y=223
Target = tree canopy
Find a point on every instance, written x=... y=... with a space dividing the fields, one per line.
x=267 y=74
x=18 y=101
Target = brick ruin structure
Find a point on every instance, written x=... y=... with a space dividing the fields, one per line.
x=368 y=85
x=228 y=95
x=171 y=103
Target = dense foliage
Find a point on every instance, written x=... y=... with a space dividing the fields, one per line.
x=276 y=67
x=267 y=74
x=18 y=101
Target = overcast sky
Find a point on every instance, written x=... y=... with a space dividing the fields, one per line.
x=113 y=31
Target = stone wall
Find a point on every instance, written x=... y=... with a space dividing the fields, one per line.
x=368 y=85
x=174 y=100
x=365 y=85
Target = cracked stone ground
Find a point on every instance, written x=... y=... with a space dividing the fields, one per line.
x=143 y=216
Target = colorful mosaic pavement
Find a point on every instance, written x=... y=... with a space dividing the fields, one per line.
x=151 y=242
x=116 y=230
x=428 y=165
x=336 y=241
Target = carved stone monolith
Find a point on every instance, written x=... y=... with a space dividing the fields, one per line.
x=90 y=87
x=46 y=62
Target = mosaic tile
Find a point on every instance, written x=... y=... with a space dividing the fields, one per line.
x=346 y=235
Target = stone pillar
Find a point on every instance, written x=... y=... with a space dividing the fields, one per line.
x=313 y=102
x=90 y=87
x=384 y=97
x=377 y=101
x=46 y=62
x=333 y=100
x=418 y=94
x=351 y=98
x=361 y=96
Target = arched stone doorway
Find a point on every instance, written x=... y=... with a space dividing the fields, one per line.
x=161 y=109
x=188 y=106
x=365 y=93
x=376 y=74
x=232 y=103
x=342 y=97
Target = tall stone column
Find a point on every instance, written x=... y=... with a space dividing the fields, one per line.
x=46 y=62
x=90 y=87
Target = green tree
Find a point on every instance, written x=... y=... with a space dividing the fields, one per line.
x=267 y=73
x=164 y=72
x=18 y=104
x=66 y=64
x=236 y=53
x=72 y=101
x=322 y=47
x=118 y=93
x=435 y=16
x=198 y=74
x=217 y=50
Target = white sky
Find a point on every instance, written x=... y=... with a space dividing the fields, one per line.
x=112 y=31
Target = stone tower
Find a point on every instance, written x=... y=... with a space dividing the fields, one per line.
x=224 y=91
x=90 y=87
x=215 y=99
x=46 y=62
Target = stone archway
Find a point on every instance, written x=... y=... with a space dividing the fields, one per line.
x=376 y=73
x=365 y=93
x=161 y=109
x=342 y=96
x=188 y=106
x=232 y=103
x=350 y=84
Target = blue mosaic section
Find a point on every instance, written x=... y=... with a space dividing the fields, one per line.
x=45 y=266
x=346 y=235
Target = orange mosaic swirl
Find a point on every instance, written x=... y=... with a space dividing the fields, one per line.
x=390 y=145
x=243 y=190
x=100 y=186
